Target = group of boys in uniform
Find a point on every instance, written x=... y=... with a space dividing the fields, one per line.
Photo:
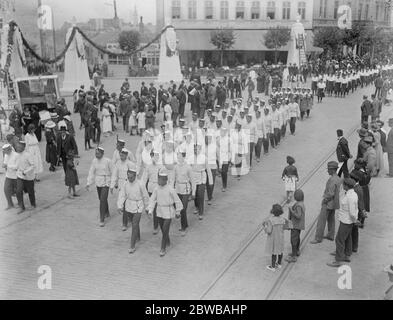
x=186 y=160
x=343 y=81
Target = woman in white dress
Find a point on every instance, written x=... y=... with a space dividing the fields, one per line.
x=144 y=160
x=32 y=146
x=106 y=120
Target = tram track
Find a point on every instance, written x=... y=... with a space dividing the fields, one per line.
x=254 y=235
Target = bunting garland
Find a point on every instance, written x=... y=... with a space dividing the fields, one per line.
x=85 y=37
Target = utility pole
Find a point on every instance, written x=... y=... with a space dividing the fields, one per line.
x=42 y=36
x=54 y=36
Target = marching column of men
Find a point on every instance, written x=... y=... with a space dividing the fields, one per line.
x=173 y=166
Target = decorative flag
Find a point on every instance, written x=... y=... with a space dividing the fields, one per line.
x=44 y=20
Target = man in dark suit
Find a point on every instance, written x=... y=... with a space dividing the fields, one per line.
x=389 y=148
x=343 y=154
x=366 y=109
x=153 y=96
x=65 y=143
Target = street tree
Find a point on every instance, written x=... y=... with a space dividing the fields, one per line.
x=223 y=39
x=129 y=40
x=277 y=38
x=329 y=38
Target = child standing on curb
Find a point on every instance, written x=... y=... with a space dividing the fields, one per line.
x=290 y=177
x=297 y=218
x=274 y=228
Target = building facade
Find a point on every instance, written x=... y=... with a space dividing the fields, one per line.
x=195 y=20
x=119 y=66
x=363 y=11
x=373 y=13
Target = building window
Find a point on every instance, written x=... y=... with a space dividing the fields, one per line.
x=335 y=12
x=224 y=10
x=209 y=10
x=176 y=9
x=377 y=12
x=322 y=8
x=366 y=11
x=192 y=9
x=286 y=10
x=118 y=60
x=387 y=14
x=271 y=10
x=255 y=10
x=302 y=10
x=360 y=11
x=240 y=10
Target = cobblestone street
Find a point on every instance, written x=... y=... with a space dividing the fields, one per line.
x=89 y=262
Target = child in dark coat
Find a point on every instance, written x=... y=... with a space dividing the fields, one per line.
x=297 y=222
x=71 y=176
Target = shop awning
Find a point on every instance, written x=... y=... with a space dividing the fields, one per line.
x=246 y=40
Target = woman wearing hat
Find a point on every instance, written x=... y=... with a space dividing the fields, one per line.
x=33 y=148
x=51 y=148
x=106 y=120
x=364 y=178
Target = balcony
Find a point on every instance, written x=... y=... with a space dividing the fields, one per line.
x=330 y=22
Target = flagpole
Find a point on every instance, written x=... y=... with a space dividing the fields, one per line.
x=42 y=35
x=54 y=36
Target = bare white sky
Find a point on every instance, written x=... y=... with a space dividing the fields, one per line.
x=64 y=10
